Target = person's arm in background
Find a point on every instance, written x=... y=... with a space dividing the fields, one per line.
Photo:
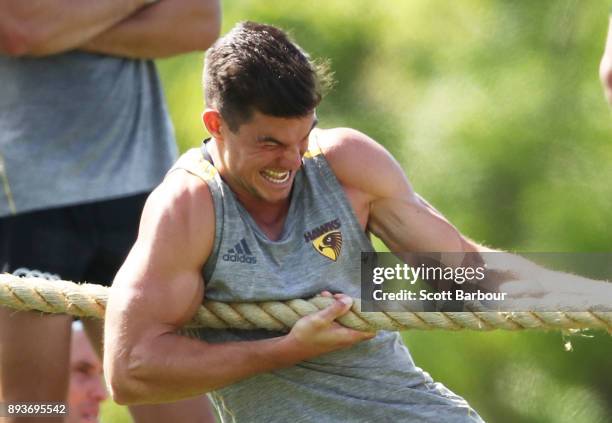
x=45 y=27
x=605 y=66
x=163 y=29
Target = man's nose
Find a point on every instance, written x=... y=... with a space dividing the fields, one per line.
x=292 y=158
x=98 y=390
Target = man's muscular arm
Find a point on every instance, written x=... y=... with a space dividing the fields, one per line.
x=166 y=28
x=407 y=223
x=396 y=214
x=44 y=27
x=159 y=289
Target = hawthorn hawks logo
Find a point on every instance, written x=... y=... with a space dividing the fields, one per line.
x=329 y=244
x=326 y=239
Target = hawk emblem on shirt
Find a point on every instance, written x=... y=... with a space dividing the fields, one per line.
x=329 y=244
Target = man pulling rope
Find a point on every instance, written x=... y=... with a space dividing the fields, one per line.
x=269 y=209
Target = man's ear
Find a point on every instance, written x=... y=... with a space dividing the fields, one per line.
x=213 y=121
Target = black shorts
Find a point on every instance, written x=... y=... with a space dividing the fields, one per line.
x=81 y=243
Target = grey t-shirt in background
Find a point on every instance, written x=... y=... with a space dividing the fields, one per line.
x=80 y=127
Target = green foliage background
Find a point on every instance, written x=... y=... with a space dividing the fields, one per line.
x=495 y=111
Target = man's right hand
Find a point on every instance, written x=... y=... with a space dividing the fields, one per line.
x=318 y=333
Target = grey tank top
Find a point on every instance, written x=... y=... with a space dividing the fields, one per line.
x=79 y=127
x=319 y=249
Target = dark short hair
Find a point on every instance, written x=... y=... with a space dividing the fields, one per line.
x=257 y=67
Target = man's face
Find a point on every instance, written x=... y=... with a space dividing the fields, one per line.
x=261 y=158
x=87 y=389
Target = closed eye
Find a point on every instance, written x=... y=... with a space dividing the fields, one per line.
x=269 y=143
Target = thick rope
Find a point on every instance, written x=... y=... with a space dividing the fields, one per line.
x=87 y=300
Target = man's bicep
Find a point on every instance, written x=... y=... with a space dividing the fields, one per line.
x=397 y=214
x=155 y=292
x=160 y=282
x=406 y=222
x=153 y=295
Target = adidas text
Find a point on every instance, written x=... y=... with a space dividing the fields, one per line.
x=240 y=258
x=241 y=253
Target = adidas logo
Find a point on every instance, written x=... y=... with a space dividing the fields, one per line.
x=241 y=253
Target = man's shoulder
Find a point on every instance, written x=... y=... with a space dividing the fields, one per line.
x=355 y=158
x=180 y=211
x=337 y=143
x=181 y=187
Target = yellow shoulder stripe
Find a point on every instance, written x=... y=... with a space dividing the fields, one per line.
x=314 y=149
x=312 y=153
x=194 y=162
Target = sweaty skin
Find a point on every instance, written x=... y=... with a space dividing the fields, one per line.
x=160 y=286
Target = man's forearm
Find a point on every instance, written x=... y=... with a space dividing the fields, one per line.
x=45 y=27
x=166 y=28
x=172 y=367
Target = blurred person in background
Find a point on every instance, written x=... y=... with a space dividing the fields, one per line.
x=86 y=389
x=84 y=137
x=605 y=66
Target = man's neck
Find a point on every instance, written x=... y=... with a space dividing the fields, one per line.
x=263 y=211
x=270 y=217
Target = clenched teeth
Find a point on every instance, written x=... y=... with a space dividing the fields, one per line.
x=275 y=176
